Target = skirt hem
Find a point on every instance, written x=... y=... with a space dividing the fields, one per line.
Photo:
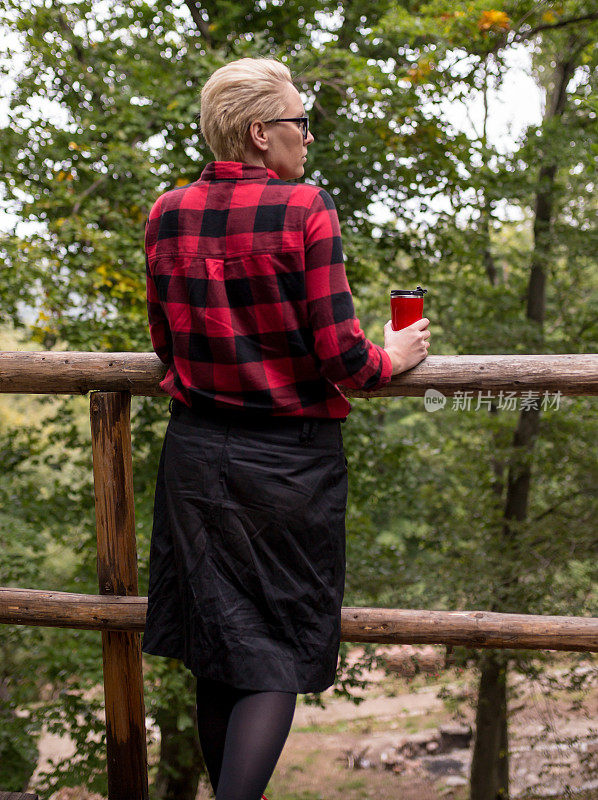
x=313 y=688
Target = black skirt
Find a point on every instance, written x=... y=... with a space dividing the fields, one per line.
x=247 y=559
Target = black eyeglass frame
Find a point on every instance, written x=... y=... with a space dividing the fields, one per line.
x=304 y=122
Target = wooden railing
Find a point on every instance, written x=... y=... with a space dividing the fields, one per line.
x=139 y=373
x=120 y=614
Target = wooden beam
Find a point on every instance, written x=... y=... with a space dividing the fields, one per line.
x=382 y=625
x=68 y=610
x=570 y=374
x=470 y=629
x=117 y=575
x=140 y=373
x=80 y=372
x=17 y=796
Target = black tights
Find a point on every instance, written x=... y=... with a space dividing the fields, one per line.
x=242 y=734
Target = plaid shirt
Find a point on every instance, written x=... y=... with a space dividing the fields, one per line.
x=248 y=300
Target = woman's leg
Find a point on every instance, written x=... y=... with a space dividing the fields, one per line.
x=242 y=734
x=215 y=701
x=257 y=731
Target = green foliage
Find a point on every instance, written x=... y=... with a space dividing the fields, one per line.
x=18 y=749
x=74 y=710
x=425 y=524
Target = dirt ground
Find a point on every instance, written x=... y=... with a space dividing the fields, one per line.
x=320 y=760
x=346 y=751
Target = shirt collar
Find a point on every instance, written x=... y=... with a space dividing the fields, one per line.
x=236 y=170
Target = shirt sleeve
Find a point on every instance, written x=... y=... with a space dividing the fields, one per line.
x=345 y=354
x=158 y=323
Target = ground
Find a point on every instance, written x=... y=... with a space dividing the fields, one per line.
x=339 y=751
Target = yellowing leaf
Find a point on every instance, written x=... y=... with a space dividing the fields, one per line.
x=172 y=105
x=182 y=182
x=73 y=146
x=549 y=17
x=136 y=213
x=494 y=20
x=419 y=70
x=61 y=176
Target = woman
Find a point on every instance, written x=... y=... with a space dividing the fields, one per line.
x=250 y=309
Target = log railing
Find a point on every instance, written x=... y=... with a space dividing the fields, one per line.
x=380 y=625
x=120 y=615
x=139 y=373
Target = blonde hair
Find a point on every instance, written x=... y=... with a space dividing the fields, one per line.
x=237 y=94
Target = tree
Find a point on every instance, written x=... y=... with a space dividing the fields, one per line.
x=510 y=478
x=429 y=494
x=90 y=179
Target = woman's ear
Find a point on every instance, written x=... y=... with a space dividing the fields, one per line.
x=258 y=135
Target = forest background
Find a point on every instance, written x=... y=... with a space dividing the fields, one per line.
x=488 y=506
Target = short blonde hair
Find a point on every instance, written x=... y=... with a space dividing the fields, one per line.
x=237 y=94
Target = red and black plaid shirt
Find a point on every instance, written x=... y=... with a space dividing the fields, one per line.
x=248 y=300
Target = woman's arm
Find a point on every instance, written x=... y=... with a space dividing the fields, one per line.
x=158 y=323
x=346 y=356
x=408 y=346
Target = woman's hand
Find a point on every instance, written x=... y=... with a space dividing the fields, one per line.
x=408 y=346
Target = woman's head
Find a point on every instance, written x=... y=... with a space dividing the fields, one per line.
x=238 y=103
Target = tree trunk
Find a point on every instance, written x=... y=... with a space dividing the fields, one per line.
x=486 y=208
x=181 y=763
x=487 y=767
x=490 y=761
x=543 y=217
x=503 y=748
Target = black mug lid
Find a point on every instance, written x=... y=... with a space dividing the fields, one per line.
x=419 y=292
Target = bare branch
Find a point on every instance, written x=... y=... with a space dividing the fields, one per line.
x=320 y=109
x=90 y=190
x=551 y=26
x=99 y=181
x=548 y=511
x=200 y=22
x=66 y=29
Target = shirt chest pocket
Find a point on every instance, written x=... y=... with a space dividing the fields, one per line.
x=215 y=269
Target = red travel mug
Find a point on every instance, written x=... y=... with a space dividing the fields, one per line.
x=406 y=307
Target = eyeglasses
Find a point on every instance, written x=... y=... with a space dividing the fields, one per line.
x=303 y=123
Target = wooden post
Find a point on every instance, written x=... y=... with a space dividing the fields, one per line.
x=117 y=574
